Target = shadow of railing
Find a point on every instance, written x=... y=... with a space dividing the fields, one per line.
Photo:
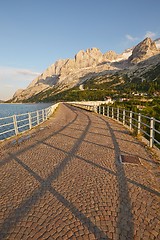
x=125 y=224
x=46 y=185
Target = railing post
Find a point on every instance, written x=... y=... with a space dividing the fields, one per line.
x=15 y=124
x=37 y=118
x=112 y=112
x=107 y=111
x=124 y=116
x=42 y=115
x=30 y=120
x=139 y=123
x=117 y=114
x=99 y=109
x=151 y=132
x=103 y=110
x=130 y=119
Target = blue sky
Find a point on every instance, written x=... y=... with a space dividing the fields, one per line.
x=36 y=33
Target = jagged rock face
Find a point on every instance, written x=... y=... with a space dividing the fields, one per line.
x=88 y=58
x=110 y=55
x=145 y=49
x=62 y=69
x=17 y=93
x=67 y=73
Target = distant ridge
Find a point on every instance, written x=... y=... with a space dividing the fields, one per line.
x=68 y=73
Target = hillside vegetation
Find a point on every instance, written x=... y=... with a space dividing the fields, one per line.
x=116 y=85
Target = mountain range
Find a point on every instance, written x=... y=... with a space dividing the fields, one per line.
x=136 y=62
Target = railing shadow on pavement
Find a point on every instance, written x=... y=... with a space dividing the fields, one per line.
x=122 y=180
x=27 y=204
x=6 y=160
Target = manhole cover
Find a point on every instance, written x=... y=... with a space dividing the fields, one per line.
x=129 y=159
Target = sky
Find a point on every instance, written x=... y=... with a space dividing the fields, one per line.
x=36 y=33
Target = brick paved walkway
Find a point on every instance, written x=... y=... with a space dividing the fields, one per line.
x=66 y=182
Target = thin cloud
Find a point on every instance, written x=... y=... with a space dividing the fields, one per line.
x=27 y=72
x=150 y=34
x=12 y=79
x=17 y=74
x=130 y=38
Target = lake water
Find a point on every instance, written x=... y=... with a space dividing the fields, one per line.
x=14 y=109
x=7 y=128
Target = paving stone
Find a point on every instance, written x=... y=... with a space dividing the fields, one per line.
x=65 y=182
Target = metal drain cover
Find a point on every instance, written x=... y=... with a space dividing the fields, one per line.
x=129 y=159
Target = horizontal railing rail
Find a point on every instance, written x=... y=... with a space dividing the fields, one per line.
x=148 y=127
x=16 y=124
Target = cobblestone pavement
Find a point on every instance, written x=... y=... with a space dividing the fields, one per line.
x=66 y=182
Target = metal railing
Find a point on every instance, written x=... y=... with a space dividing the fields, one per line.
x=16 y=124
x=148 y=127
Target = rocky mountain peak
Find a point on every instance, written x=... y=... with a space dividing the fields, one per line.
x=89 y=53
x=80 y=55
x=110 y=55
x=143 y=50
x=67 y=73
x=94 y=52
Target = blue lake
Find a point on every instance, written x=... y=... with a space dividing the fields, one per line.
x=14 y=109
x=7 y=126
